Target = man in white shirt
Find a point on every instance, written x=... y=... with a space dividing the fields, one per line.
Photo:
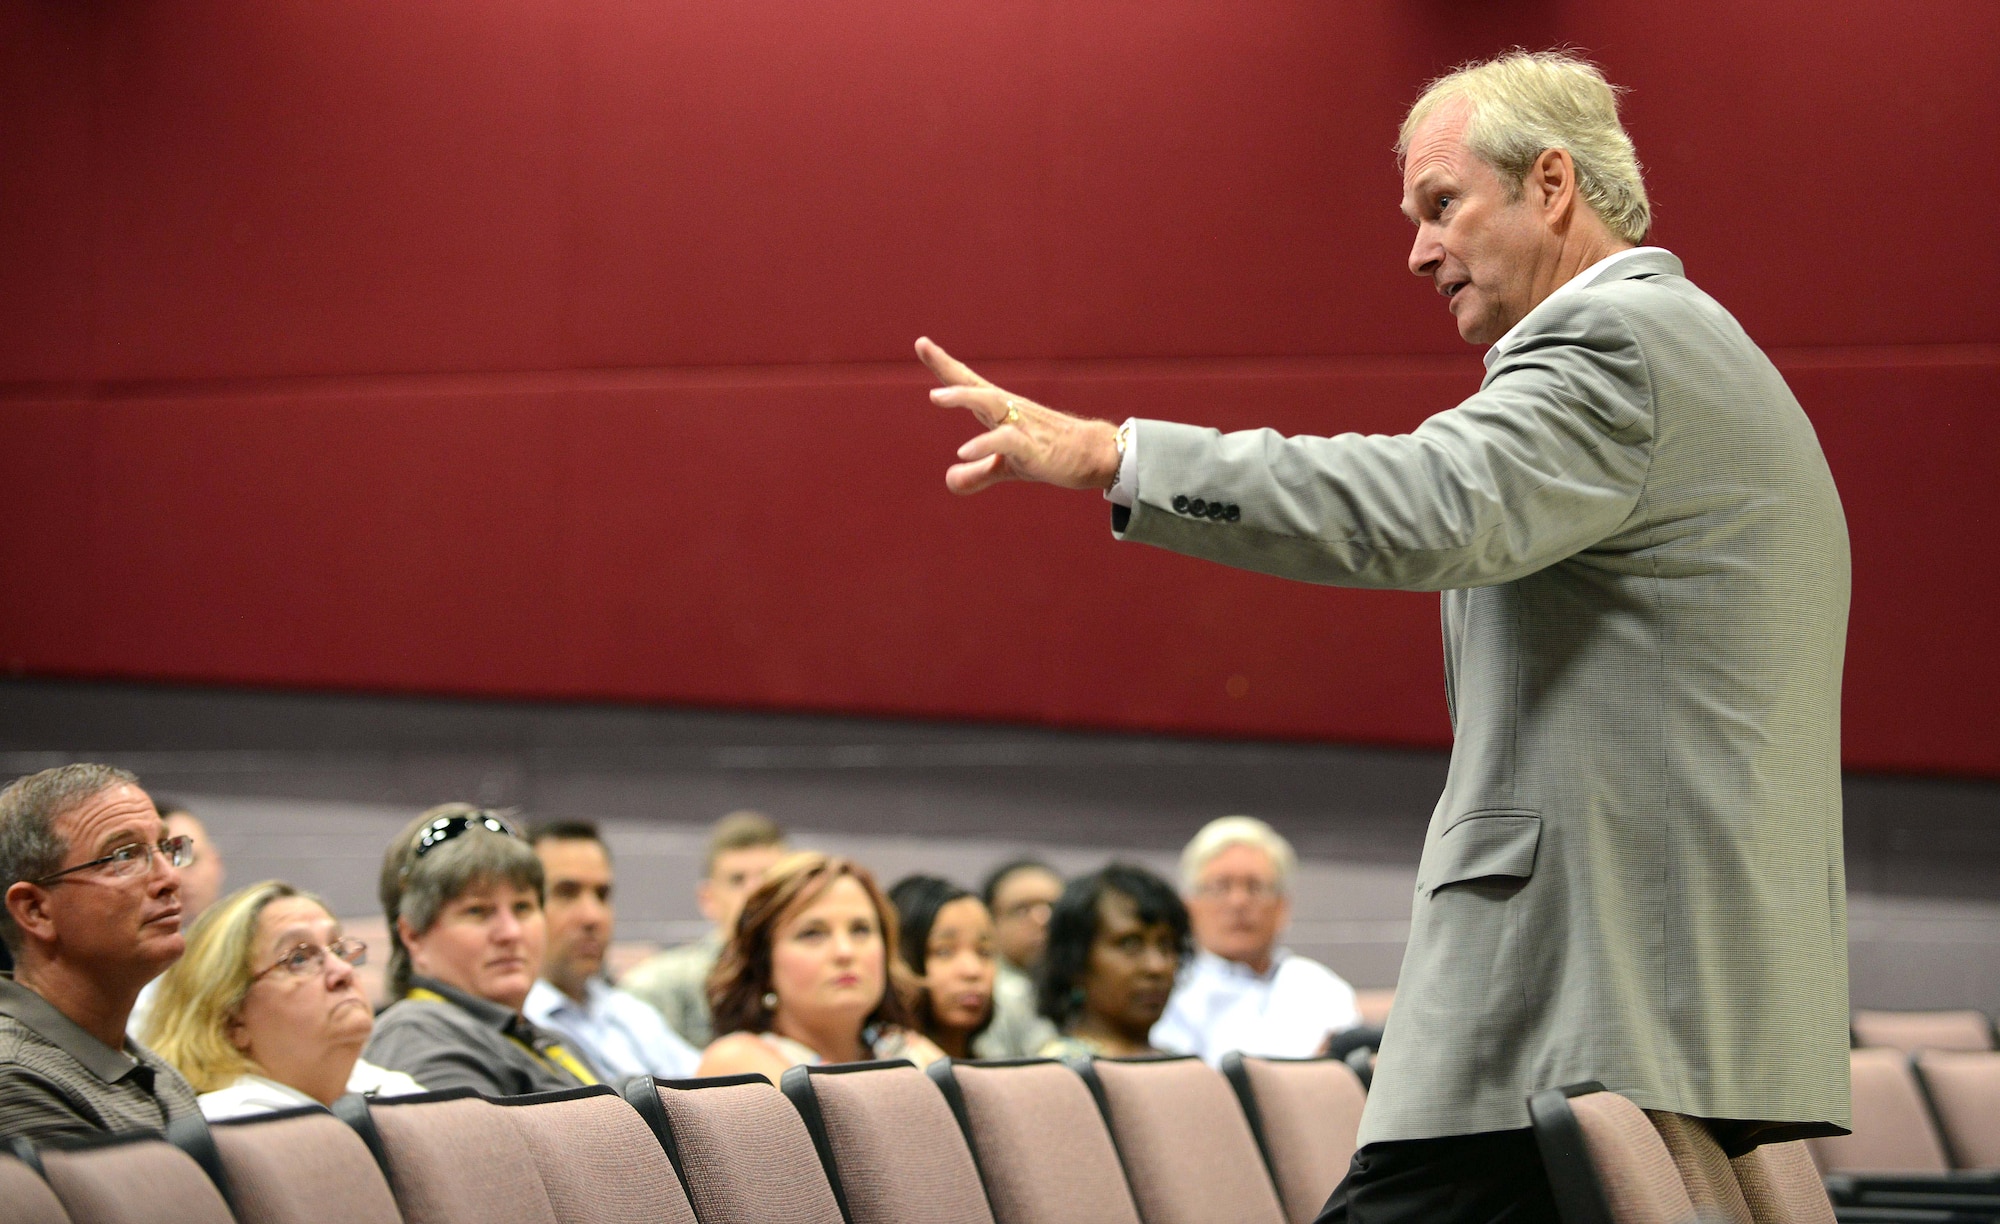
x=1242 y=991
x=620 y=1035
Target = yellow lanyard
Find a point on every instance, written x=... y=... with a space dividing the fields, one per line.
x=555 y=1053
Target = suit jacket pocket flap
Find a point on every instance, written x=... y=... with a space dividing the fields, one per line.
x=1483 y=844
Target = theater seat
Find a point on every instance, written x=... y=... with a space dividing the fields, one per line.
x=1187 y=1148
x=892 y=1151
x=27 y=1197
x=130 y=1179
x=1964 y=1090
x=1606 y=1162
x=1706 y=1174
x=1039 y=1141
x=301 y=1166
x=1305 y=1113
x=455 y=1158
x=741 y=1150
x=599 y=1162
x=1893 y=1130
x=1782 y=1186
x=1911 y=1031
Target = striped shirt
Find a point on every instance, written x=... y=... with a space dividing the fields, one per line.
x=57 y=1080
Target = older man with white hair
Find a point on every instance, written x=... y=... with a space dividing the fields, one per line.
x=1242 y=991
x=1634 y=874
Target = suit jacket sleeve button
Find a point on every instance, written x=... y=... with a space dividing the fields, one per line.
x=1197 y=507
x=1233 y=513
x=1215 y=510
x=1181 y=504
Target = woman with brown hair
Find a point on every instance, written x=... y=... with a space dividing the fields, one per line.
x=811 y=975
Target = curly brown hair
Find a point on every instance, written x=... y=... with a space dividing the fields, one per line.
x=742 y=974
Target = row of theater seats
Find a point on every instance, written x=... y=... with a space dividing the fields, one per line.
x=1109 y=1141
x=1926 y=1128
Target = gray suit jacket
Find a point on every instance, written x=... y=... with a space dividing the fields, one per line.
x=1634 y=874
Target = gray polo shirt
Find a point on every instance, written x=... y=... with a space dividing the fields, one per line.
x=443 y=1037
x=57 y=1080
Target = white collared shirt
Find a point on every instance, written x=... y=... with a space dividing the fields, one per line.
x=1124 y=487
x=620 y=1035
x=1286 y=1012
x=254 y=1094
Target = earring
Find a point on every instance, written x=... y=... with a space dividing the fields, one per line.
x=770 y=1000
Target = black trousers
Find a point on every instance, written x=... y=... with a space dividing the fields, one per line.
x=1491 y=1178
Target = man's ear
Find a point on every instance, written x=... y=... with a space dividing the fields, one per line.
x=1552 y=185
x=706 y=900
x=29 y=905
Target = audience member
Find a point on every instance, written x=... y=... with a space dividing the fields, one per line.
x=463 y=896
x=92 y=913
x=1018 y=894
x=201 y=879
x=201 y=884
x=946 y=937
x=264 y=1011
x=618 y=1034
x=742 y=847
x=1243 y=991
x=811 y=975
x=1117 y=937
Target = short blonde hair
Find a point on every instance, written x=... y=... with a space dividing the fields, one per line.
x=1524 y=103
x=203 y=991
x=1222 y=833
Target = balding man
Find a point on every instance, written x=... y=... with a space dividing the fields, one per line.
x=92 y=889
x=1634 y=875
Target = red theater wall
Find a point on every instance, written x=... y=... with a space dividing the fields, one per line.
x=561 y=349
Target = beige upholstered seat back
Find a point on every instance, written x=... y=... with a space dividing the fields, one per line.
x=460 y=1162
x=598 y=1162
x=1187 y=1147
x=1911 y=1031
x=1634 y=1168
x=1781 y=1185
x=302 y=1169
x=1042 y=1146
x=897 y=1149
x=28 y=1198
x=1704 y=1168
x=1893 y=1132
x=147 y=1181
x=1309 y=1112
x=747 y=1157
x=1965 y=1088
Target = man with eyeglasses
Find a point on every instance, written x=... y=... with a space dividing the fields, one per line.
x=1242 y=991
x=92 y=913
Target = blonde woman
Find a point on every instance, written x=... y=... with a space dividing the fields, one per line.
x=263 y=1011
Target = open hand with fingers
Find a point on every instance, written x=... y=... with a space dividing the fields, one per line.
x=1023 y=439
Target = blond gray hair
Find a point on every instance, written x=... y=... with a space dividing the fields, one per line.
x=1524 y=103
x=1222 y=833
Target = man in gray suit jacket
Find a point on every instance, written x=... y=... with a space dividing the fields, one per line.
x=1634 y=875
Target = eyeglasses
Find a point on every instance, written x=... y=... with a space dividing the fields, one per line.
x=1255 y=890
x=133 y=860
x=444 y=828
x=1037 y=911
x=308 y=959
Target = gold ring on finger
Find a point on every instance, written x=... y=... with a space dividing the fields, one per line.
x=1013 y=416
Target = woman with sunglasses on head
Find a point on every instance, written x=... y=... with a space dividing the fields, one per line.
x=263 y=1011
x=463 y=895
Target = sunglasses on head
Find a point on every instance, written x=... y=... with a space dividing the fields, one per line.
x=445 y=828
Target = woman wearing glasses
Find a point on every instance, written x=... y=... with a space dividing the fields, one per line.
x=463 y=895
x=263 y=1012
